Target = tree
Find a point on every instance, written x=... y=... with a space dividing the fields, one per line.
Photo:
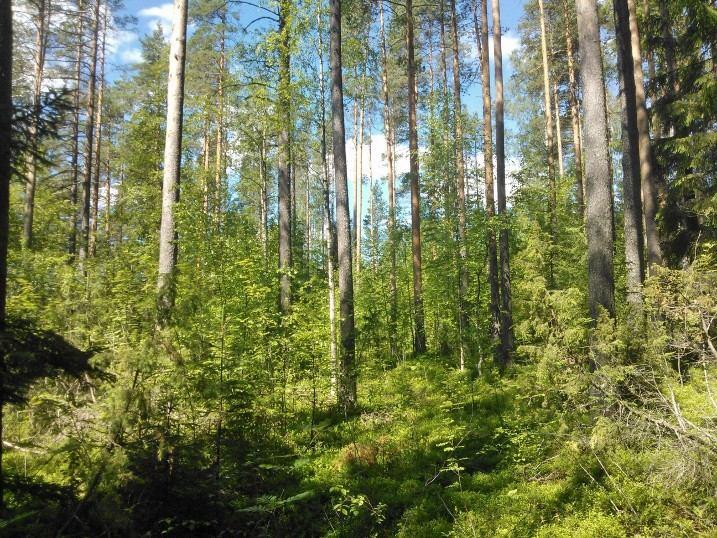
x=574 y=110
x=599 y=213
x=172 y=165
x=284 y=157
x=75 y=150
x=549 y=139
x=391 y=179
x=460 y=189
x=41 y=43
x=483 y=44
x=347 y=373
x=6 y=111
x=506 y=310
x=647 y=166
x=632 y=203
x=419 y=337
x=89 y=140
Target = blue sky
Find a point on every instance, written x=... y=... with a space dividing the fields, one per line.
x=125 y=45
x=125 y=49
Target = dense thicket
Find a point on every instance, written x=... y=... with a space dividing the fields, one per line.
x=316 y=269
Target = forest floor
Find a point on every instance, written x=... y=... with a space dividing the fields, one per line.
x=436 y=453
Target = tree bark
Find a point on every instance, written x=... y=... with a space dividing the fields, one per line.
x=6 y=113
x=599 y=225
x=632 y=203
x=41 y=39
x=98 y=141
x=549 y=144
x=89 y=142
x=506 y=310
x=419 y=337
x=484 y=51
x=172 y=165
x=219 y=161
x=284 y=159
x=359 y=177
x=388 y=131
x=347 y=373
x=72 y=240
x=574 y=112
x=647 y=163
x=558 y=130
x=461 y=191
x=328 y=217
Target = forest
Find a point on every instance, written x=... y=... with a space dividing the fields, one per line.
x=358 y=268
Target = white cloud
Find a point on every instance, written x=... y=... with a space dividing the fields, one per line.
x=117 y=39
x=131 y=56
x=159 y=15
x=164 y=12
x=377 y=165
x=510 y=43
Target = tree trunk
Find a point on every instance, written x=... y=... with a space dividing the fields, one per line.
x=98 y=142
x=549 y=145
x=558 y=130
x=484 y=51
x=632 y=203
x=574 y=112
x=6 y=113
x=328 y=217
x=219 y=161
x=284 y=159
x=647 y=163
x=461 y=191
x=89 y=142
x=347 y=372
x=388 y=131
x=359 y=178
x=419 y=339
x=108 y=198
x=599 y=225
x=43 y=16
x=172 y=165
x=264 y=230
x=506 y=311
x=72 y=240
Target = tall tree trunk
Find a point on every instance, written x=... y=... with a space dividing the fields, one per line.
x=359 y=177
x=483 y=48
x=89 y=141
x=461 y=191
x=219 y=161
x=98 y=141
x=356 y=170
x=108 y=197
x=75 y=157
x=264 y=230
x=284 y=158
x=599 y=225
x=506 y=310
x=328 y=217
x=347 y=369
x=419 y=338
x=632 y=203
x=388 y=131
x=41 y=38
x=6 y=112
x=558 y=130
x=574 y=111
x=647 y=163
x=549 y=145
x=172 y=165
